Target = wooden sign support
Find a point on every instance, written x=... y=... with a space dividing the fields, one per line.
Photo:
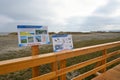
x=35 y=70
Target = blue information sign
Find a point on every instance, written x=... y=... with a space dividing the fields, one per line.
x=29 y=35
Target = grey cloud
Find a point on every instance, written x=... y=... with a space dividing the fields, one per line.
x=26 y=9
x=109 y=8
x=91 y=23
x=96 y=20
x=36 y=12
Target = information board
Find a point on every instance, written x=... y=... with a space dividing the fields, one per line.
x=29 y=35
x=62 y=42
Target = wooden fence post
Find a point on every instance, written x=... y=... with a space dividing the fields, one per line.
x=63 y=65
x=105 y=60
x=55 y=68
x=104 y=54
x=35 y=70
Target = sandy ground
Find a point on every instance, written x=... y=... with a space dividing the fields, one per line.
x=10 y=42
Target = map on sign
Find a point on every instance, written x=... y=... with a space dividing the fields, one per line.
x=32 y=35
x=62 y=42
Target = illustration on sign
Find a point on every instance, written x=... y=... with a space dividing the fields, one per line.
x=32 y=35
x=62 y=42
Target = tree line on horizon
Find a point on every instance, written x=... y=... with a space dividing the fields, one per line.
x=62 y=32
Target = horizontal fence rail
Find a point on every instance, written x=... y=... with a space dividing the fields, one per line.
x=18 y=64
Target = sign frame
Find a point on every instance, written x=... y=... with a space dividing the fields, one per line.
x=30 y=35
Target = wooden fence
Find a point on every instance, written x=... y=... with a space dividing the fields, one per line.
x=13 y=65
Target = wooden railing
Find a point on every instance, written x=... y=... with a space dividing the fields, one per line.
x=13 y=65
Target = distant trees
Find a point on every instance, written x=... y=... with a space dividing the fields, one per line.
x=13 y=33
x=61 y=32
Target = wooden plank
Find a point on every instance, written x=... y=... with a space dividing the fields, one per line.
x=82 y=76
x=112 y=62
x=47 y=76
x=63 y=65
x=35 y=50
x=104 y=61
x=24 y=63
x=85 y=50
x=111 y=74
x=35 y=70
x=78 y=66
x=106 y=75
x=68 y=69
x=55 y=68
x=108 y=55
x=74 y=67
x=113 y=53
x=117 y=68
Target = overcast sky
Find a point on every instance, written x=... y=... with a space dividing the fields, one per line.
x=61 y=15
